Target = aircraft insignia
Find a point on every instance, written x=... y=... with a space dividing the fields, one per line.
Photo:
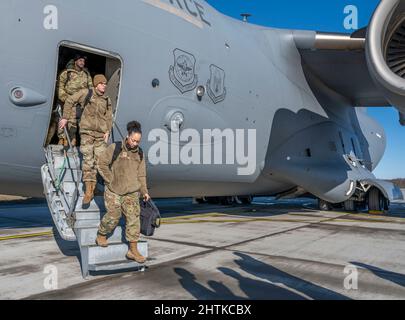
x=216 y=84
x=182 y=74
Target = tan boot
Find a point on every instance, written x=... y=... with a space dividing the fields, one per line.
x=73 y=142
x=101 y=241
x=88 y=196
x=61 y=142
x=133 y=253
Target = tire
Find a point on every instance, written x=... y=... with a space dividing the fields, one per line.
x=226 y=201
x=377 y=201
x=200 y=200
x=324 y=205
x=246 y=199
x=213 y=200
x=349 y=206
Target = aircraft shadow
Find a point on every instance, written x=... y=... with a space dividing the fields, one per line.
x=394 y=277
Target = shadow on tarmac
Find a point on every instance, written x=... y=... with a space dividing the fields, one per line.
x=274 y=284
x=394 y=277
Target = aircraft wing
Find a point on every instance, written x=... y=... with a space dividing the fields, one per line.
x=339 y=60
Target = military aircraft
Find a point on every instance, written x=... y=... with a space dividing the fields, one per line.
x=183 y=62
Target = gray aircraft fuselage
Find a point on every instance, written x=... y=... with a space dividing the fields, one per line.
x=304 y=129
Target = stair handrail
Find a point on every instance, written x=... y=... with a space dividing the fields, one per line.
x=72 y=205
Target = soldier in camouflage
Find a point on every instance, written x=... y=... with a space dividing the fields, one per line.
x=95 y=127
x=123 y=168
x=75 y=78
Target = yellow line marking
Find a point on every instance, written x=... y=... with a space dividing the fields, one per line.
x=190 y=220
x=28 y=235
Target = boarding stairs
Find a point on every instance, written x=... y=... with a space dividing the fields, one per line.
x=64 y=191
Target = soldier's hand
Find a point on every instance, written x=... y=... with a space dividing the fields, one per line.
x=106 y=136
x=146 y=197
x=62 y=123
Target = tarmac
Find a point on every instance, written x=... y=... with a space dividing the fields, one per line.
x=269 y=250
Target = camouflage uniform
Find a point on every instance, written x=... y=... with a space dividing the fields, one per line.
x=116 y=205
x=125 y=179
x=70 y=82
x=96 y=120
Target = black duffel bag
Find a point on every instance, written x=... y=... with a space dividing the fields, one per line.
x=150 y=218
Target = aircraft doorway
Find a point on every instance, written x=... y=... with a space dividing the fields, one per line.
x=98 y=62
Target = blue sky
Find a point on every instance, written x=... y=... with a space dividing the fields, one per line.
x=329 y=16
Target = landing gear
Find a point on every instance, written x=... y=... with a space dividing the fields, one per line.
x=201 y=200
x=349 y=205
x=225 y=201
x=246 y=199
x=377 y=201
x=324 y=205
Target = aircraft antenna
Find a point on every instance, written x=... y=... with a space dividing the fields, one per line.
x=246 y=16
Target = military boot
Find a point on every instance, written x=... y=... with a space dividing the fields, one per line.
x=133 y=253
x=88 y=196
x=61 y=142
x=101 y=240
x=73 y=142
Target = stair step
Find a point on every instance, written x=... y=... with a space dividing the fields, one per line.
x=86 y=224
x=97 y=204
x=120 y=265
x=113 y=253
x=91 y=215
x=87 y=237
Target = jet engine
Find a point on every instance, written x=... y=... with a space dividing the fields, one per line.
x=385 y=51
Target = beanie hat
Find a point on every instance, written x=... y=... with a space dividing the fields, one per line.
x=99 y=79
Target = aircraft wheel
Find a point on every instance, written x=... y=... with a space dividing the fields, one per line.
x=349 y=205
x=200 y=200
x=246 y=199
x=226 y=201
x=213 y=200
x=324 y=205
x=377 y=201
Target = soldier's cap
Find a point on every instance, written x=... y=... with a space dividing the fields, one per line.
x=79 y=56
x=99 y=78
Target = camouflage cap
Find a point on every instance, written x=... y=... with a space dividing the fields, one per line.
x=99 y=79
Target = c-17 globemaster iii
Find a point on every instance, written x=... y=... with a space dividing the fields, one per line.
x=204 y=82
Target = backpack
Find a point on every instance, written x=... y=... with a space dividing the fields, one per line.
x=117 y=151
x=150 y=218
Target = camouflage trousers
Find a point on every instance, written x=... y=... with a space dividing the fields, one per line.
x=116 y=205
x=91 y=148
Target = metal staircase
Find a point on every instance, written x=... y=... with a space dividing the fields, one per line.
x=64 y=191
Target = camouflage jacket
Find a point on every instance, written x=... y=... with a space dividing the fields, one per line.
x=71 y=81
x=125 y=175
x=96 y=118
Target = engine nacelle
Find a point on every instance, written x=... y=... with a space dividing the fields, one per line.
x=385 y=50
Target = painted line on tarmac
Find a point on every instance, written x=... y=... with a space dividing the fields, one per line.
x=27 y=235
x=188 y=220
